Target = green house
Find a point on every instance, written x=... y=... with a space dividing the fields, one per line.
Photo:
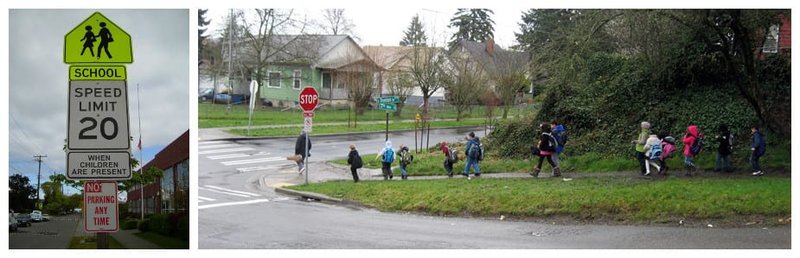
x=330 y=63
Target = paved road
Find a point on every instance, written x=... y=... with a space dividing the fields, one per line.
x=239 y=209
x=53 y=234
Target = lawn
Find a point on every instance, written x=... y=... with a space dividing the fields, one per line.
x=335 y=129
x=163 y=241
x=91 y=243
x=621 y=199
x=217 y=115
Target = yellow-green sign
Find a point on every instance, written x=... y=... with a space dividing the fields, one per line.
x=97 y=73
x=97 y=40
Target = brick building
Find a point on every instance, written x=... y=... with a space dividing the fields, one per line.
x=170 y=193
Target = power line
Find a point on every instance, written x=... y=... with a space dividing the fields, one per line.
x=19 y=128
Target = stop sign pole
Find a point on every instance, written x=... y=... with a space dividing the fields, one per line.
x=308 y=99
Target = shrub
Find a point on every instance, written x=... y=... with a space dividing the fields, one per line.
x=144 y=225
x=182 y=231
x=130 y=224
x=159 y=224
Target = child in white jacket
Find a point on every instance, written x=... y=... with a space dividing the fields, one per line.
x=652 y=145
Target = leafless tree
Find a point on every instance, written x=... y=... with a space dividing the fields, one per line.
x=336 y=23
x=465 y=83
x=426 y=71
x=359 y=78
x=509 y=76
x=265 y=38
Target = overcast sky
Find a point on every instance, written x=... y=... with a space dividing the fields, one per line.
x=385 y=27
x=38 y=85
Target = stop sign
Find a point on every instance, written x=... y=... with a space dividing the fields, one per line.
x=309 y=98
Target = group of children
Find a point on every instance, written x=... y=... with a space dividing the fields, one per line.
x=657 y=148
x=387 y=156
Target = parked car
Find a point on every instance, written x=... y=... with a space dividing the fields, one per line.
x=206 y=94
x=23 y=220
x=45 y=217
x=36 y=216
x=12 y=222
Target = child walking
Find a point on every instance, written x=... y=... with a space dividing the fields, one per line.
x=355 y=162
x=405 y=158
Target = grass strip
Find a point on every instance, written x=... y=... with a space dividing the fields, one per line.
x=163 y=241
x=336 y=129
x=628 y=199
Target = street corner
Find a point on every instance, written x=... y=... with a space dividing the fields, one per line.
x=280 y=185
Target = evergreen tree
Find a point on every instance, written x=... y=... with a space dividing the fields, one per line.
x=415 y=34
x=201 y=26
x=472 y=25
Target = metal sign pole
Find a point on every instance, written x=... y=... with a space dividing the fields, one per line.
x=387 y=125
x=305 y=159
x=102 y=240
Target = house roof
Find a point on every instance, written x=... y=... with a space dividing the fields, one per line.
x=305 y=49
x=387 y=56
x=492 y=61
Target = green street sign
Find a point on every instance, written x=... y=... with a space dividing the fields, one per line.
x=97 y=40
x=389 y=99
x=387 y=106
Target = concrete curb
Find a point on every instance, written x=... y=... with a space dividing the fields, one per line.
x=335 y=134
x=310 y=195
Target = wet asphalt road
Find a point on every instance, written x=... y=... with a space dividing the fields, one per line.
x=53 y=234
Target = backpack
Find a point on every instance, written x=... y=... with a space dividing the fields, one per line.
x=406 y=157
x=655 y=151
x=667 y=149
x=553 y=143
x=561 y=136
x=451 y=157
x=388 y=156
x=357 y=162
x=697 y=146
x=475 y=151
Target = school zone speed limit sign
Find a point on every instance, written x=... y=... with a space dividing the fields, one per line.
x=98 y=116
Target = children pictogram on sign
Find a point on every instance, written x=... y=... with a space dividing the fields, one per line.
x=105 y=38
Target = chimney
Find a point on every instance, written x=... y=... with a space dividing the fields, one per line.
x=490 y=46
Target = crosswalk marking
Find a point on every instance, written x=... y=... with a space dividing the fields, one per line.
x=224 y=192
x=223 y=150
x=228 y=156
x=231 y=204
x=206 y=198
x=250 y=161
x=257 y=168
x=214 y=146
x=229 y=190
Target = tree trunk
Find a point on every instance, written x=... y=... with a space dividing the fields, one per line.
x=505 y=111
x=399 y=109
x=425 y=105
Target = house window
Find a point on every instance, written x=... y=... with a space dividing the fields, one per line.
x=771 y=41
x=296 y=81
x=326 y=80
x=274 y=80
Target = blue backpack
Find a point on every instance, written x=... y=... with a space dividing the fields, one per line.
x=655 y=151
x=388 y=156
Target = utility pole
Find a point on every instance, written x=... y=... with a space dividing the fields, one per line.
x=39 y=176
